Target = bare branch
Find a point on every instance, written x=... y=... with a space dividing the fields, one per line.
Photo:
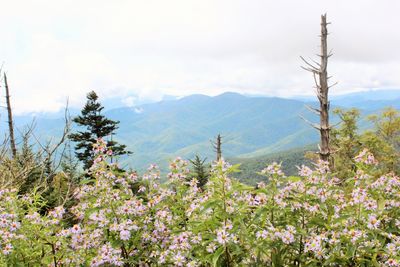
x=334 y=84
x=310 y=70
x=314 y=110
x=314 y=125
x=309 y=64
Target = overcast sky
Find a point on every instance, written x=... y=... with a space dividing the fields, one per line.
x=145 y=49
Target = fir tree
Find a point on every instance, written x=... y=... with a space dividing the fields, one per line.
x=199 y=171
x=97 y=126
x=29 y=163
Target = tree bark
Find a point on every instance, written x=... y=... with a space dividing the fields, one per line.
x=323 y=93
x=320 y=73
x=217 y=147
x=10 y=119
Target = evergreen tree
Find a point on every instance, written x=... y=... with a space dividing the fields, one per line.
x=29 y=163
x=199 y=171
x=97 y=126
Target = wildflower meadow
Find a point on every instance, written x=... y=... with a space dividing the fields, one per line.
x=121 y=219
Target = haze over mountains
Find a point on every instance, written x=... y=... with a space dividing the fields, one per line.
x=250 y=126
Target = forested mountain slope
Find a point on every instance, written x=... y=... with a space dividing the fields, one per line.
x=250 y=126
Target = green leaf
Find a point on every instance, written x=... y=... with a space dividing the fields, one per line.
x=217 y=255
x=318 y=221
x=294 y=178
x=373 y=261
x=87 y=181
x=350 y=251
x=211 y=204
x=234 y=168
x=381 y=204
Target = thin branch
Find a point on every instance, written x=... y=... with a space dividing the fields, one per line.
x=309 y=64
x=314 y=125
x=334 y=84
x=314 y=110
x=310 y=70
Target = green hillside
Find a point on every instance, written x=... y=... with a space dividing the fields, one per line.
x=185 y=127
x=289 y=159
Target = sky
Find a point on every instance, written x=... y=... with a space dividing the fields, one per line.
x=140 y=50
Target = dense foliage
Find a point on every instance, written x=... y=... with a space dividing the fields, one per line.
x=121 y=219
x=383 y=140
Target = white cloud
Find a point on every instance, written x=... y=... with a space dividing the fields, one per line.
x=139 y=110
x=130 y=101
x=58 y=49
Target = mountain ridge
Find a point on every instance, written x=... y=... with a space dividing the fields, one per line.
x=250 y=126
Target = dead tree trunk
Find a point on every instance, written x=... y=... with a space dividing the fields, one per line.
x=217 y=147
x=320 y=73
x=10 y=119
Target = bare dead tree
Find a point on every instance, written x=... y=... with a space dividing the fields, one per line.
x=320 y=74
x=217 y=146
x=10 y=119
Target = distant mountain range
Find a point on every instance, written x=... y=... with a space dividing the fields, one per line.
x=250 y=126
x=367 y=100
